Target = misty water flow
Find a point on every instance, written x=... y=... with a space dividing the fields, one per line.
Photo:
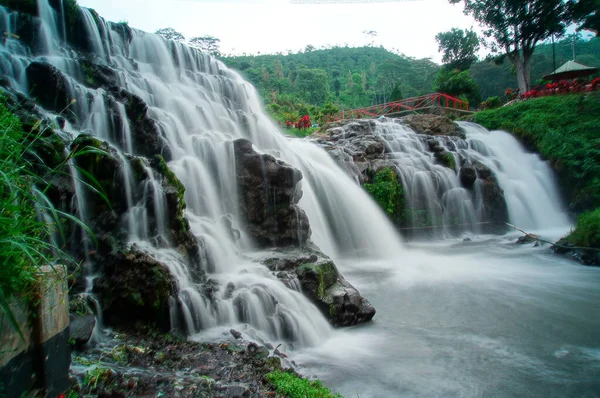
x=453 y=319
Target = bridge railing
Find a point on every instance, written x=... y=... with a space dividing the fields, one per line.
x=407 y=104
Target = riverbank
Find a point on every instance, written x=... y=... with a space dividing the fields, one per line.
x=142 y=362
x=564 y=131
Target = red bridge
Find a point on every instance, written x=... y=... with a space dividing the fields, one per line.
x=435 y=100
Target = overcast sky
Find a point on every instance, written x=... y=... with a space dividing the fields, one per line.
x=270 y=26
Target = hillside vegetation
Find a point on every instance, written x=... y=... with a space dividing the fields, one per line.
x=564 y=130
x=320 y=82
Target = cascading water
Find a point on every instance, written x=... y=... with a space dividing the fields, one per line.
x=201 y=106
x=436 y=194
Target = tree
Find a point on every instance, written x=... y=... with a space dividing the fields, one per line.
x=313 y=84
x=396 y=93
x=458 y=48
x=370 y=35
x=588 y=12
x=458 y=84
x=206 y=44
x=516 y=26
x=170 y=34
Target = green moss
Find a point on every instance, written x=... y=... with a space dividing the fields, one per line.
x=587 y=230
x=447 y=159
x=291 y=385
x=169 y=176
x=388 y=193
x=326 y=276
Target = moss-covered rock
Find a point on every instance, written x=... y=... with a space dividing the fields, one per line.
x=322 y=283
x=135 y=287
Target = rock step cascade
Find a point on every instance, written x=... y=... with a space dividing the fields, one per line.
x=182 y=179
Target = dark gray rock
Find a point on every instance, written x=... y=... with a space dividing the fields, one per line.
x=81 y=329
x=269 y=194
x=433 y=125
x=235 y=334
x=321 y=282
x=467 y=175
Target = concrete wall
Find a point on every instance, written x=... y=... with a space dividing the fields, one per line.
x=37 y=357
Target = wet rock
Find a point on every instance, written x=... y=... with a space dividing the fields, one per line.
x=526 y=239
x=433 y=125
x=467 y=175
x=269 y=194
x=235 y=334
x=81 y=328
x=321 y=282
x=49 y=87
x=258 y=351
x=132 y=287
x=147 y=135
x=494 y=205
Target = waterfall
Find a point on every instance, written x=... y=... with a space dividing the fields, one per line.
x=201 y=106
x=438 y=196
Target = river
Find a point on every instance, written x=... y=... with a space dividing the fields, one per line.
x=485 y=318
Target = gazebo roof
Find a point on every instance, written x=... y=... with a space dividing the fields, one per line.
x=571 y=70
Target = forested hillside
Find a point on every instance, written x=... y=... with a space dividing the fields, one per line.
x=297 y=84
x=348 y=77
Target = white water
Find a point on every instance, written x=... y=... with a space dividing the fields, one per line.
x=201 y=107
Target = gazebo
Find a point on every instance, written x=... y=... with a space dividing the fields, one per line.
x=571 y=70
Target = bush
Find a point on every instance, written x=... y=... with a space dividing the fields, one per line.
x=491 y=103
x=291 y=385
x=587 y=230
x=388 y=192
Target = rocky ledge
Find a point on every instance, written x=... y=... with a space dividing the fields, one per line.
x=317 y=276
x=144 y=363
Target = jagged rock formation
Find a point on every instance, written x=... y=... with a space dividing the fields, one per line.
x=269 y=195
x=319 y=278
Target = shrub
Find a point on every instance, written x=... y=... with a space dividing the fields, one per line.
x=587 y=230
x=388 y=192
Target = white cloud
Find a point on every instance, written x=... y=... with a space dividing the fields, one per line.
x=270 y=26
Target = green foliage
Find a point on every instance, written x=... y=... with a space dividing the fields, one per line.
x=375 y=69
x=388 y=192
x=459 y=48
x=313 y=85
x=493 y=79
x=291 y=385
x=564 y=130
x=516 y=26
x=491 y=103
x=587 y=230
x=396 y=94
x=458 y=84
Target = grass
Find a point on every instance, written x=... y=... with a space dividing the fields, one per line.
x=291 y=385
x=31 y=228
x=564 y=130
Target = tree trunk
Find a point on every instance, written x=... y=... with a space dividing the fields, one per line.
x=523 y=68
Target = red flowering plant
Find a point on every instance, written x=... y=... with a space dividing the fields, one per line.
x=595 y=83
x=303 y=123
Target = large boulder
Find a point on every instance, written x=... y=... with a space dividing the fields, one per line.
x=134 y=287
x=269 y=194
x=49 y=87
x=433 y=125
x=322 y=283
